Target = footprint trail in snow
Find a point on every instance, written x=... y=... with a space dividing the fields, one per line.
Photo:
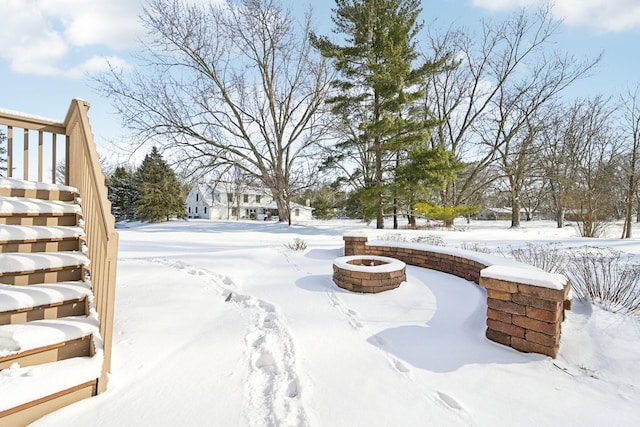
x=272 y=393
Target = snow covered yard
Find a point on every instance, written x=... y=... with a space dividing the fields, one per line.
x=219 y=324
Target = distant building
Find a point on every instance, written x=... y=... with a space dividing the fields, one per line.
x=210 y=201
x=495 y=214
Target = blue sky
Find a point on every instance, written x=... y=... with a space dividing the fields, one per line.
x=48 y=47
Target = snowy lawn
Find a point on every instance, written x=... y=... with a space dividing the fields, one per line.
x=219 y=324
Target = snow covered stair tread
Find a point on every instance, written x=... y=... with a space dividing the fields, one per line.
x=28 y=262
x=14 y=298
x=30 y=206
x=24 y=337
x=23 y=385
x=43 y=301
x=30 y=233
x=34 y=185
x=37 y=190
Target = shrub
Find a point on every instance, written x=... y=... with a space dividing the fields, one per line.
x=606 y=277
x=475 y=247
x=445 y=213
x=297 y=245
x=393 y=237
x=589 y=227
x=427 y=240
x=548 y=257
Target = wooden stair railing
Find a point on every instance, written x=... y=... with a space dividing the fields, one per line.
x=85 y=173
x=33 y=146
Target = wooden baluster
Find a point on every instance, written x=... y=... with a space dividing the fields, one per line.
x=9 y=151
x=40 y=156
x=25 y=156
x=54 y=149
x=67 y=158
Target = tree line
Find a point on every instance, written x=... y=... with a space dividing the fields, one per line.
x=405 y=119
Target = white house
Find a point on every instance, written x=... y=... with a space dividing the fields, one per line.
x=214 y=201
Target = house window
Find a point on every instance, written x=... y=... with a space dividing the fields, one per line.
x=297 y=212
x=205 y=210
x=257 y=198
x=197 y=197
x=233 y=212
x=246 y=198
x=230 y=197
x=189 y=209
x=196 y=209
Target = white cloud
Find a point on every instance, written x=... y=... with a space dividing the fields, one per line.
x=44 y=37
x=96 y=65
x=601 y=15
x=112 y=23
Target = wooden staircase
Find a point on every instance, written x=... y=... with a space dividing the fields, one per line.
x=58 y=253
x=48 y=324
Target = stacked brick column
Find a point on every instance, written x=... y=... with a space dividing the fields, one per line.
x=525 y=317
x=355 y=245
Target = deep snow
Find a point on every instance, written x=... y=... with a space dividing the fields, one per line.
x=219 y=324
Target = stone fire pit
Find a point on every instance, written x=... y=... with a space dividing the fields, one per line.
x=368 y=273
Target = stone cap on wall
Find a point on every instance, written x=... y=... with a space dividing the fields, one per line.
x=533 y=277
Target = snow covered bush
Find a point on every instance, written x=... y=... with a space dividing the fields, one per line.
x=475 y=247
x=607 y=277
x=604 y=276
x=297 y=244
x=427 y=240
x=548 y=257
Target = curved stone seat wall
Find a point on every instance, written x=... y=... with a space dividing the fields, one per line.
x=525 y=305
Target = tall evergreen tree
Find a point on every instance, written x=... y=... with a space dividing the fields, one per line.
x=125 y=192
x=161 y=193
x=379 y=84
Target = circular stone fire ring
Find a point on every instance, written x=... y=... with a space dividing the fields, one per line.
x=368 y=273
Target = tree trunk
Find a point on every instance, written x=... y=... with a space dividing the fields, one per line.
x=515 y=211
x=395 y=213
x=379 y=200
x=560 y=217
x=283 y=210
x=631 y=191
x=449 y=200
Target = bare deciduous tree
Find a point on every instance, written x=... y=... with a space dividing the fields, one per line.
x=631 y=112
x=503 y=72
x=597 y=168
x=232 y=84
x=561 y=153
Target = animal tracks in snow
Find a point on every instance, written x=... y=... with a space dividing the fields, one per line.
x=351 y=315
x=354 y=320
x=272 y=393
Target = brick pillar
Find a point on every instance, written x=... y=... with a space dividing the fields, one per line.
x=525 y=317
x=355 y=245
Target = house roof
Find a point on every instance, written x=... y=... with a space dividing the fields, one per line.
x=502 y=210
x=206 y=191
